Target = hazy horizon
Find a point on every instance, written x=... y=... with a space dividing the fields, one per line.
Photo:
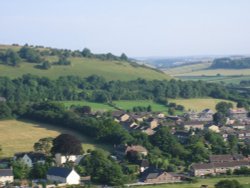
x=139 y=28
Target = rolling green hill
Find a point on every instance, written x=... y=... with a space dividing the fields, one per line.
x=80 y=66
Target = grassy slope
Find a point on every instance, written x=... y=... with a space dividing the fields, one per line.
x=19 y=136
x=198 y=104
x=111 y=70
x=94 y=106
x=210 y=182
x=128 y=105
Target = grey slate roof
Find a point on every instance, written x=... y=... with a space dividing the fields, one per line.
x=34 y=156
x=202 y=166
x=59 y=171
x=6 y=172
x=2 y=99
x=151 y=173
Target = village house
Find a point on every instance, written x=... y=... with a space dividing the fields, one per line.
x=214 y=128
x=243 y=134
x=136 y=149
x=144 y=165
x=157 y=176
x=193 y=125
x=191 y=115
x=238 y=126
x=238 y=113
x=120 y=116
x=30 y=158
x=227 y=158
x=160 y=115
x=204 y=169
x=140 y=116
x=124 y=117
x=2 y=99
x=61 y=159
x=5 y=163
x=129 y=124
x=152 y=122
x=123 y=150
x=226 y=131
x=206 y=115
x=148 y=131
x=207 y=112
x=63 y=175
x=6 y=176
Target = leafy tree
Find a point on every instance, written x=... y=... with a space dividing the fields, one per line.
x=149 y=108
x=217 y=144
x=5 y=111
x=20 y=169
x=223 y=107
x=44 y=145
x=219 y=118
x=46 y=65
x=83 y=109
x=233 y=143
x=86 y=52
x=124 y=57
x=39 y=171
x=103 y=170
x=228 y=184
x=30 y=55
x=198 y=151
x=171 y=111
x=168 y=143
x=67 y=145
x=12 y=58
x=63 y=61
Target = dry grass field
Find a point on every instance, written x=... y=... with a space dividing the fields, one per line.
x=199 y=104
x=19 y=136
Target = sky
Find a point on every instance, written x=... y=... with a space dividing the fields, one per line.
x=139 y=28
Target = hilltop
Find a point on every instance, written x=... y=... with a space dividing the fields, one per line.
x=106 y=65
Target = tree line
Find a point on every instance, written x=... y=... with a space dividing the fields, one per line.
x=30 y=88
x=227 y=63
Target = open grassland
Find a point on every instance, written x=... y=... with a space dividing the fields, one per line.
x=185 y=69
x=19 y=136
x=245 y=181
x=214 y=72
x=94 y=106
x=196 y=104
x=124 y=104
x=128 y=105
x=199 y=104
x=201 y=71
x=217 y=79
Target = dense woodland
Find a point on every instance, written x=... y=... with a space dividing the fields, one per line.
x=31 y=88
x=227 y=63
